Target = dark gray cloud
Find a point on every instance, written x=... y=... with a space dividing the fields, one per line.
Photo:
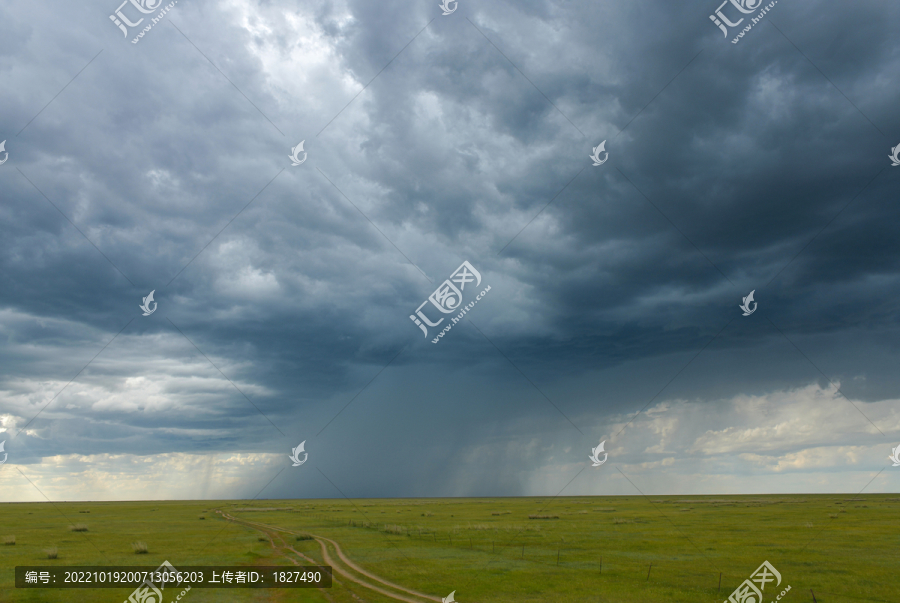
x=733 y=167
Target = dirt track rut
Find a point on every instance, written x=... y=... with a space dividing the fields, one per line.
x=337 y=566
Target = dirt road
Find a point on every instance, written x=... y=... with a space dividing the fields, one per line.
x=342 y=566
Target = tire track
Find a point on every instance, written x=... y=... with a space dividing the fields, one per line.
x=280 y=551
x=360 y=570
x=273 y=532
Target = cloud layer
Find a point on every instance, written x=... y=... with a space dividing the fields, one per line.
x=285 y=292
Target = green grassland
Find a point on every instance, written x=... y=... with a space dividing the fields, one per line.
x=507 y=550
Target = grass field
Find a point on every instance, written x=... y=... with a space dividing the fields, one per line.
x=842 y=547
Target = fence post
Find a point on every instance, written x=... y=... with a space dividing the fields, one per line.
x=648 y=572
x=813 y=595
x=720 y=584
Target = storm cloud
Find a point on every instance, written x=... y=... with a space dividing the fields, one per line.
x=285 y=292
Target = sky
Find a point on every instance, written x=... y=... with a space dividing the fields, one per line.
x=283 y=293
